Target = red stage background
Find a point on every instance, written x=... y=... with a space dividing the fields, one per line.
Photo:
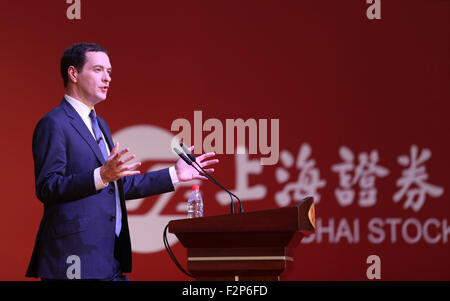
x=362 y=106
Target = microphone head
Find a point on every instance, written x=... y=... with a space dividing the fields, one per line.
x=177 y=151
x=182 y=156
x=188 y=153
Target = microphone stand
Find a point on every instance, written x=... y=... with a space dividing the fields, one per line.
x=192 y=160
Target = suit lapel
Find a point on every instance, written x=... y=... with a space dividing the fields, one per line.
x=82 y=129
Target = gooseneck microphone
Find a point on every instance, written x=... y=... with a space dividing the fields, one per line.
x=192 y=160
x=183 y=156
x=188 y=152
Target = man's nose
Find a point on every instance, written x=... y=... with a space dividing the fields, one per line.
x=107 y=77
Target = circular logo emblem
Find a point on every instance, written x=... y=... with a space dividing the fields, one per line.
x=153 y=144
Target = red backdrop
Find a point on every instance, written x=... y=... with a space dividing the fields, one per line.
x=362 y=107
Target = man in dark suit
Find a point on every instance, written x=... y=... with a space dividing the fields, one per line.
x=83 y=179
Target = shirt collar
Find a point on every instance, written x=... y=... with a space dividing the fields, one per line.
x=82 y=109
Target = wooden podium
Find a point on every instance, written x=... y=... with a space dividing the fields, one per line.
x=254 y=245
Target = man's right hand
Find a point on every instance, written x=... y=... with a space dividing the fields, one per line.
x=115 y=167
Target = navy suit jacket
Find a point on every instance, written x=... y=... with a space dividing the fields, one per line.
x=78 y=219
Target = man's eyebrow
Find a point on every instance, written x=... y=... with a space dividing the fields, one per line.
x=103 y=67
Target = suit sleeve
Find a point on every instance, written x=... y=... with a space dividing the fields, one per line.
x=150 y=183
x=53 y=185
x=140 y=186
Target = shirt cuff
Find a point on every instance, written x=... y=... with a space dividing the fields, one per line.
x=173 y=175
x=98 y=180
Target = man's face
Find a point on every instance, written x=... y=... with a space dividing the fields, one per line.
x=94 y=79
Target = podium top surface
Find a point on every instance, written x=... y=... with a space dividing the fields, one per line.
x=297 y=218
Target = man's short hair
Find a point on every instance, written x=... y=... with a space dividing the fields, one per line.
x=75 y=56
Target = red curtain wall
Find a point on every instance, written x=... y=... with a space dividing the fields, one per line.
x=362 y=107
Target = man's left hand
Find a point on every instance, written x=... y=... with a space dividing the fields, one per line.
x=186 y=172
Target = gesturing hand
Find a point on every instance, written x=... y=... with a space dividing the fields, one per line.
x=187 y=173
x=115 y=167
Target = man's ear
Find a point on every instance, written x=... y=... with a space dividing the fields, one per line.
x=73 y=74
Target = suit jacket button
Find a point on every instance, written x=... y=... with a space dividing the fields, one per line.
x=112 y=218
x=111 y=190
